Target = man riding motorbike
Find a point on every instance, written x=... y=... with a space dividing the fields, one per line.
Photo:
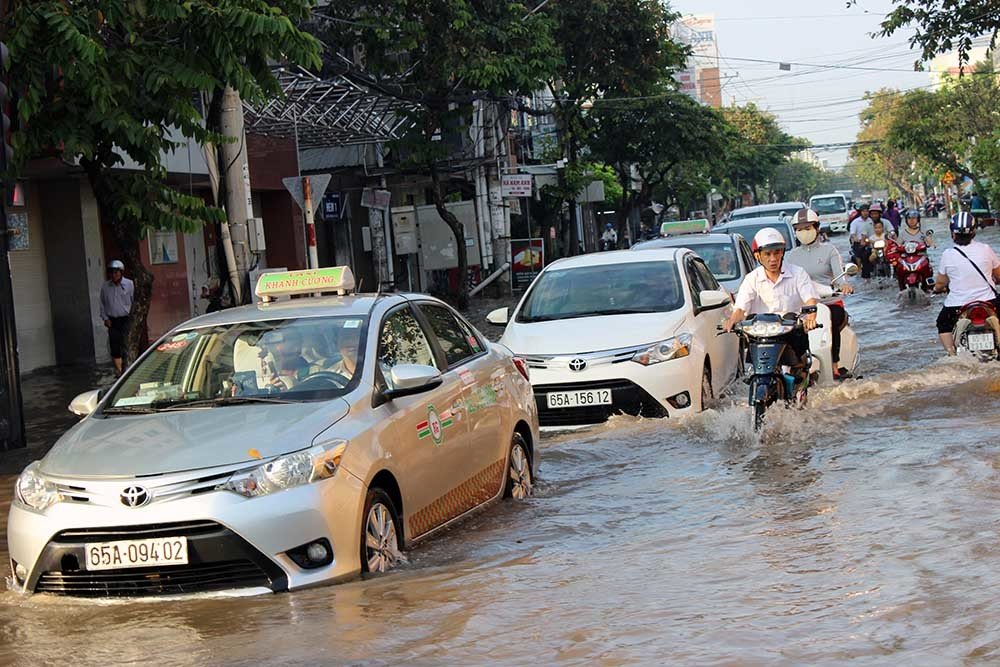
x=777 y=287
x=823 y=263
x=861 y=230
x=969 y=272
x=609 y=240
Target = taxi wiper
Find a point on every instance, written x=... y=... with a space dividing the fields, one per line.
x=128 y=410
x=600 y=313
x=220 y=402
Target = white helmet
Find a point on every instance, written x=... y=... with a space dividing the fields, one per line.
x=767 y=239
x=116 y=265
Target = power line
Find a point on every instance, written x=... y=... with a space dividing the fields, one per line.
x=833 y=66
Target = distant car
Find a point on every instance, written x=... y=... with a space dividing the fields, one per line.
x=728 y=256
x=276 y=446
x=622 y=332
x=832 y=210
x=748 y=228
x=766 y=210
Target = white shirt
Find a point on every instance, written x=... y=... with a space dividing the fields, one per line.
x=788 y=295
x=861 y=227
x=964 y=281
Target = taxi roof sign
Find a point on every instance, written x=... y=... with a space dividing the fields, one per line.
x=339 y=279
x=697 y=226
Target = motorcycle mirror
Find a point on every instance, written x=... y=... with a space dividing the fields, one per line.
x=929 y=232
x=851 y=269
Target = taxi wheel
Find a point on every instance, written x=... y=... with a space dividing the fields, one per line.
x=379 y=533
x=519 y=482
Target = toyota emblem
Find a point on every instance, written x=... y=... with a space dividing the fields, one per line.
x=135 y=496
x=577 y=365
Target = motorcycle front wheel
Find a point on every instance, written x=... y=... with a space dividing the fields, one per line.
x=757 y=411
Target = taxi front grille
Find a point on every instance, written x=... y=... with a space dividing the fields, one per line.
x=172 y=580
x=626 y=396
x=140 y=532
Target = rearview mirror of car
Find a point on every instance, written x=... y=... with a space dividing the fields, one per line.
x=499 y=317
x=410 y=379
x=711 y=298
x=85 y=403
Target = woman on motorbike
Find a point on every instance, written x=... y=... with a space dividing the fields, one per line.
x=823 y=263
x=911 y=231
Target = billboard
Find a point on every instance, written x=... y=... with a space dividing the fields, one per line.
x=702 y=77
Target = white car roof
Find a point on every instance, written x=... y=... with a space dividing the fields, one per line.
x=776 y=206
x=616 y=257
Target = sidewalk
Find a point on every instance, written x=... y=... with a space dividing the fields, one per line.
x=46 y=394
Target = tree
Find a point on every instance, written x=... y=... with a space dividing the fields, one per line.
x=443 y=55
x=758 y=148
x=674 y=145
x=102 y=81
x=797 y=180
x=943 y=25
x=875 y=166
x=612 y=53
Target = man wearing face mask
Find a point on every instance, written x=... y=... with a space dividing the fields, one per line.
x=823 y=263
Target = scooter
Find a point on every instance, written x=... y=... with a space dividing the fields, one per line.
x=821 y=340
x=881 y=268
x=913 y=270
x=978 y=330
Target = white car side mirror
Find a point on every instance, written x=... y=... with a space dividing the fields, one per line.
x=85 y=403
x=712 y=298
x=499 y=317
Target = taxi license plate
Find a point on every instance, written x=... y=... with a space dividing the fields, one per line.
x=136 y=553
x=979 y=342
x=578 y=399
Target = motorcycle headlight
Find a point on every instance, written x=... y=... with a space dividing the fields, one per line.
x=671 y=348
x=36 y=491
x=285 y=472
x=767 y=329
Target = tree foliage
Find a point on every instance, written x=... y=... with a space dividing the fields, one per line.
x=944 y=25
x=759 y=146
x=103 y=81
x=797 y=180
x=442 y=55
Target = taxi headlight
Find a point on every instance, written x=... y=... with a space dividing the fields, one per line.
x=671 y=348
x=34 y=490
x=310 y=465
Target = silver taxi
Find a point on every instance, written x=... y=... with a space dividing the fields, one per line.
x=276 y=446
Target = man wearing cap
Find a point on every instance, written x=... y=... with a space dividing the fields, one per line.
x=116 y=307
x=776 y=287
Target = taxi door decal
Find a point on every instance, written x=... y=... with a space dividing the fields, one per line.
x=433 y=427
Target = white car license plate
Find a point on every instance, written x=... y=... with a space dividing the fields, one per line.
x=137 y=553
x=978 y=342
x=578 y=399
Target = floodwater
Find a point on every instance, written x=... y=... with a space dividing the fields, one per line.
x=864 y=528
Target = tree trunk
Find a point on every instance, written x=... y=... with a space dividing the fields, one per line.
x=127 y=240
x=574 y=230
x=461 y=296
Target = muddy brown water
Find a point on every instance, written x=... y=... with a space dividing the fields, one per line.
x=864 y=529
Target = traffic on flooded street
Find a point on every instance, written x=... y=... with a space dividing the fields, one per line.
x=832 y=535
x=468 y=332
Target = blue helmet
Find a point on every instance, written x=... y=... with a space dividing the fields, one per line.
x=963 y=223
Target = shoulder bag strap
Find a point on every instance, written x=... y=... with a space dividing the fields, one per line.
x=976 y=267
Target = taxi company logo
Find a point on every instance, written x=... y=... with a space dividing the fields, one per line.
x=577 y=365
x=135 y=496
x=435 y=424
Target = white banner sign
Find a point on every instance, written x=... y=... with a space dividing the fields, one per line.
x=516 y=185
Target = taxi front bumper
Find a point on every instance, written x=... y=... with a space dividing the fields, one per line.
x=233 y=542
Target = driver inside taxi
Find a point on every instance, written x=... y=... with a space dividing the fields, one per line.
x=286 y=367
x=347 y=346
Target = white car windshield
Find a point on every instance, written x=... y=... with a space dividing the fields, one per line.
x=827 y=205
x=273 y=360
x=612 y=289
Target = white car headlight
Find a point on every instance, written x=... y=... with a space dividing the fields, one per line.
x=285 y=472
x=34 y=490
x=671 y=348
x=767 y=329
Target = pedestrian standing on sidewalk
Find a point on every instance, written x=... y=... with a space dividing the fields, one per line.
x=116 y=308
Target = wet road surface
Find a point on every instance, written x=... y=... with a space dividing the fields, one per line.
x=864 y=528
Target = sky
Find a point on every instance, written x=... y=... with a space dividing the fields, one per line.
x=818 y=103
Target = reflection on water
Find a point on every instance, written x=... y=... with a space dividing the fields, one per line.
x=860 y=528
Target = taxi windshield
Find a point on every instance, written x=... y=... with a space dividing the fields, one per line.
x=611 y=289
x=268 y=361
x=721 y=259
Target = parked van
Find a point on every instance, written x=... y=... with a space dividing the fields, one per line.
x=832 y=212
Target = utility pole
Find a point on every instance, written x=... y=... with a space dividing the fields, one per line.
x=239 y=204
x=11 y=409
x=307 y=210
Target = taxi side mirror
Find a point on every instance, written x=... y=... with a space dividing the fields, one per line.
x=410 y=379
x=499 y=317
x=85 y=403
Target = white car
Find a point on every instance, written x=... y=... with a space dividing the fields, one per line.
x=276 y=446
x=728 y=255
x=622 y=332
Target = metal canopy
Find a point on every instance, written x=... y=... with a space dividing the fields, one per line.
x=325 y=113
